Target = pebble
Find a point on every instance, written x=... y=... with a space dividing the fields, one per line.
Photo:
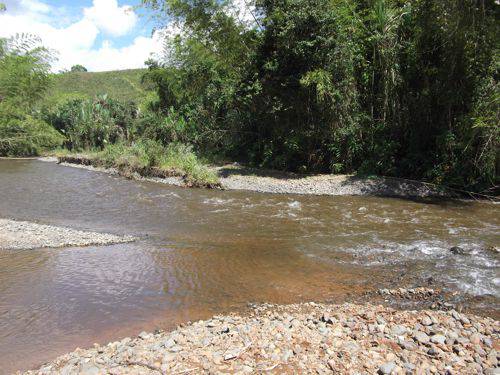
x=398 y=330
x=488 y=342
x=475 y=339
x=89 y=369
x=426 y=321
x=347 y=338
x=387 y=368
x=421 y=337
x=432 y=351
x=438 y=339
x=408 y=345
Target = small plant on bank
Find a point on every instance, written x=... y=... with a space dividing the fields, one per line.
x=181 y=157
x=150 y=159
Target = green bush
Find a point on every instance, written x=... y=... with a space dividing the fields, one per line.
x=93 y=123
x=23 y=135
x=166 y=128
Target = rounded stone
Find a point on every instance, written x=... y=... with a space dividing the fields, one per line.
x=387 y=368
x=438 y=339
x=426 y=321
x=421 y=337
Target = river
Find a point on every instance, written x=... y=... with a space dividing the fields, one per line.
x=202 y=252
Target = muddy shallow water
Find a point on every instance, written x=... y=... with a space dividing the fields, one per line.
x=203 y=252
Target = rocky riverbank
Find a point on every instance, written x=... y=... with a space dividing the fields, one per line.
x=303 y=338
x=237 y=177
x=18 y=235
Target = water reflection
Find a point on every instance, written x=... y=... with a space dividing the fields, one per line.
x=203 y=252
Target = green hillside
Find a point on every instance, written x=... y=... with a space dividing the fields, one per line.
x=124 y=85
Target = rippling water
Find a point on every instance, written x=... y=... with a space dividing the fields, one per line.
x=203 y=252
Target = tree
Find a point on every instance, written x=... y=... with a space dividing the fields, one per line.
x=78 y=68
x=402 y=88
x=24 y=77
x=204 y=65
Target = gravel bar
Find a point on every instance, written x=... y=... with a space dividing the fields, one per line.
x=18 y=235
x=303 y=338
x=237 y=177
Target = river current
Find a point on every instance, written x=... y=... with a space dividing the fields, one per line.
x=202 y=252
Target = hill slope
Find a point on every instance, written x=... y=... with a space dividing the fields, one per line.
x=124 y=85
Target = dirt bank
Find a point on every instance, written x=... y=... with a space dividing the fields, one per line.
x=303 y=338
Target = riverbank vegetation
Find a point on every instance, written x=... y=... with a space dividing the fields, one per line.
x=148 y=158
x=24 y=76
x=397 y=88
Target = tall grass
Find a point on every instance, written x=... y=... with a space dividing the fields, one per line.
x=151 y=159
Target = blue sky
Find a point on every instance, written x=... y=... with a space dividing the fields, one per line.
x=100 y=34
x=72 y=11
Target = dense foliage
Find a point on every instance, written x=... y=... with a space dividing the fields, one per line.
x=93 y=123
x=24 y=76
x=402 y=88
x=392 y=87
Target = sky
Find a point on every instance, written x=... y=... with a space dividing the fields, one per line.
x=98 y=34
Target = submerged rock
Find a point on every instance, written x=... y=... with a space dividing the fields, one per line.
x=492 y=250
x=420 y=293
x=457 y=250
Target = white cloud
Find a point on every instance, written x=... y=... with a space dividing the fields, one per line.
x=35 y=6
x=108 y=57
x=243 y=11
x=109 y=17
x=76 y=42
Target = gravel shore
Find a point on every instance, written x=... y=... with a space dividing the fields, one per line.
x=234 y=177
x=237 y=177
x=303 y=338
x=17 y=235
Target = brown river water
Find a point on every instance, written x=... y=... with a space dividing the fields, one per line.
x=203 y=252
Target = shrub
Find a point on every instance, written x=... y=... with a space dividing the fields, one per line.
x=24 y=135
x=93 y=123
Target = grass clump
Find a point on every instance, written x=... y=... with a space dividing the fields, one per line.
x=181 y=157
x=149 y=158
